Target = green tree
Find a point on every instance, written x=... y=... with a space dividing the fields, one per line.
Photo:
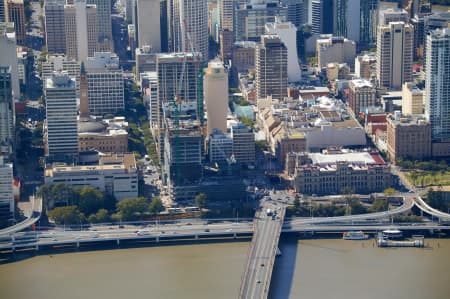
x=90 y=200
x=156 y=205
x=131 y=208
x=102 y=216
x=201 y=200
x=379 y=205
x=66 y=215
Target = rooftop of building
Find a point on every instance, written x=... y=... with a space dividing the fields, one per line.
x=359 y=83
x=407 y=120
x=107 y=161
x=60 y=80
x=308 y=114
x=103 y=61
x=332 y=157
x=441 y=33
x=115 y=126
x=245 y=44
x=178 y=56
x=414 y=89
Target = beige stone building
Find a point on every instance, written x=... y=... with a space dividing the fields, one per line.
x=408 y=137
x=412 y=99
x=332 y=173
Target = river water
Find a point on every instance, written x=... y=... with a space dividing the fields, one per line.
x=307 y=269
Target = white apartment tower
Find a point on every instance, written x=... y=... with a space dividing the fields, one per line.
x=55 y=34
x=6 y=112
x=190 y=18
x=105 y=84
x=437 y=85
x=61 y=132
x=394 y=55
x=81 y=30
x=215 y=86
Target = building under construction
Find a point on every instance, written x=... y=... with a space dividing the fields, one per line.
x=183 y=152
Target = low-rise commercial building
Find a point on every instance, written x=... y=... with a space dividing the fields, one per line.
x=408 y=137
x=330 y=48
x=102 y=136
x=243 y=144
x=116 y=174
x=412 y=99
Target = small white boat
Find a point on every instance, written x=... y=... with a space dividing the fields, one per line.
x=355 y=235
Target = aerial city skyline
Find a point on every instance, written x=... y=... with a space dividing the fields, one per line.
x=278 y=112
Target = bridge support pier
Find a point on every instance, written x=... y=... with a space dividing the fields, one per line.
x=157 y=239
x=196 y=237
x=37 y=247
x=118 y=242
x=78 y=245
x=234 y=236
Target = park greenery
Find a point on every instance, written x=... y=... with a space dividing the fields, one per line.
x=426 y=173
x=66 y=204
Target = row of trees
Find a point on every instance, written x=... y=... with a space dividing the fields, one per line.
x=130 y=209
x=70 y=205
x=429 y=165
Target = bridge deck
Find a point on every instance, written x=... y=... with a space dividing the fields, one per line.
x=258 y=273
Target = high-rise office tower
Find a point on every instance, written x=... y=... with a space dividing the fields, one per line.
x=347 y=16
x=6 y=191
x=61 y=134
x=226 y=14
x=3 y=11
x=419 y=7
x=322 y=16
x=271 y=68
x=55 y=33
x=437 y=89
x=368 y=25
x=104 y=27
x=297 y=11
x=6 y=112
x=250 y=19
x=16 y=14
x=105 y=84
x=287 y=33
x=8 y=54
x=152 y=25
x=149 y=33
x=356 y=20
x=394 y=54
x=387 y=16
x=81 y=30
x=190 y=21
x=215 y=86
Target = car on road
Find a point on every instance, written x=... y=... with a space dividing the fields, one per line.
x=207 y=230
x=94 y=236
